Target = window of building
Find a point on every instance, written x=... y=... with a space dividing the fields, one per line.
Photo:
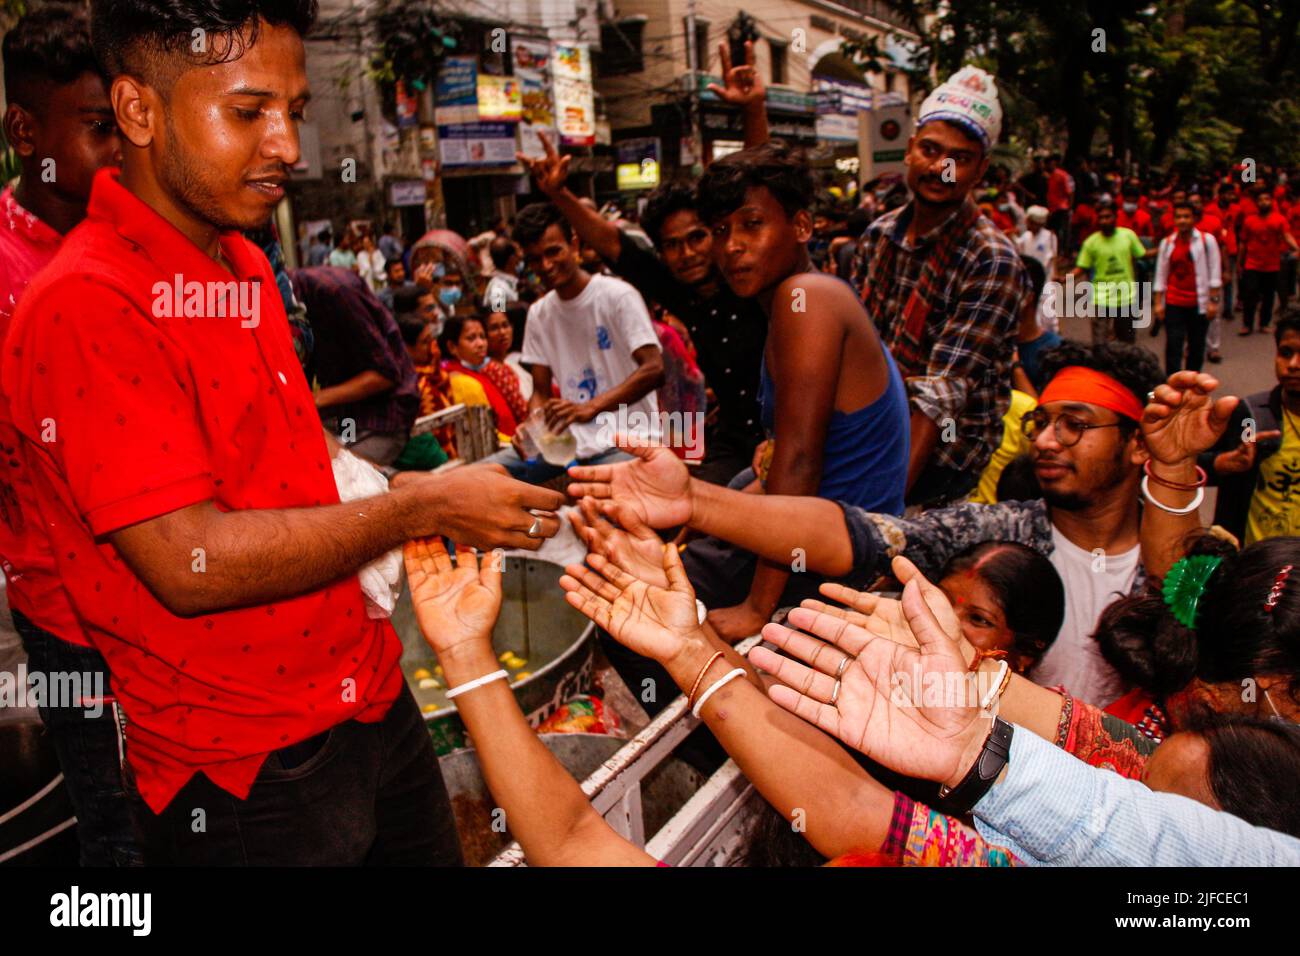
x=777 y=51
x=620 y=48
x=701 y=40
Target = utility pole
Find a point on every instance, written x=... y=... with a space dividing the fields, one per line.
x=693 y=104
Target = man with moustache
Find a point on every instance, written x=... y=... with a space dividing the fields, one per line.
x=187 y=484
x=945 y=287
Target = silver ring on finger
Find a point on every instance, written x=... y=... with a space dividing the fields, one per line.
x=835 y=693
x=534 y=531
x=839 y=671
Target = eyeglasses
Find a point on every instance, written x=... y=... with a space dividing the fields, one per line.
x=1069 y=429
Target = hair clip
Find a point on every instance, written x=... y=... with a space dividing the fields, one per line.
x=1275 y=595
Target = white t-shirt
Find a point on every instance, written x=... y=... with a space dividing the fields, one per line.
x=1040 y=246
x=587 y=342
x=1091 y=582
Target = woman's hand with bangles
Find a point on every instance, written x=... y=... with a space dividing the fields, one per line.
x=656 y=622
x=456 y=605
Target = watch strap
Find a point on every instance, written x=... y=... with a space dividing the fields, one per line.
x=979 y=779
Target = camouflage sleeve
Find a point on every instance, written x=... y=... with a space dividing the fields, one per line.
x=933 y=537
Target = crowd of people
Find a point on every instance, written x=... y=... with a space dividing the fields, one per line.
x=995 y=629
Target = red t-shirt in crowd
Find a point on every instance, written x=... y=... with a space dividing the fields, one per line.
x=1292 y=214
x=1139 y=222
x=26 y=247
x=1262 y=238
x=1058 y=190
x=1212 y=222
x=1084 y=221
x=1180 y=288
x=160 y=404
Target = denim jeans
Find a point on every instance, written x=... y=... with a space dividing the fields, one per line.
x=540 y=470
x=87 y=748
x=356 y=794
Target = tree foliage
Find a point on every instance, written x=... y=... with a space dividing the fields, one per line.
x=1169 y=81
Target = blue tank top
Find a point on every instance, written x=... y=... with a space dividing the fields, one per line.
x=864 y=461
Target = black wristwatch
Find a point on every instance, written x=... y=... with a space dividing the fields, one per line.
x=997 y=751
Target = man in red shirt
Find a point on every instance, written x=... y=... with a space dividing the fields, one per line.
x=1264 y=234
x=186 y=483
x=58 y=118
x=1058 y=201
x=1131 y=215
x=1290 y=208
x=1187 y=284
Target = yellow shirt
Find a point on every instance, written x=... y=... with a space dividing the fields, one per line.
x=1273 y=507
x=1014 y=444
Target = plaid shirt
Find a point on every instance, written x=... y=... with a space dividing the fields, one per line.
x=947 y=307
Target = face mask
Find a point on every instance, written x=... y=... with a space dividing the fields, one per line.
x=1130 y=207
x=1004 y=206
x=449 y=295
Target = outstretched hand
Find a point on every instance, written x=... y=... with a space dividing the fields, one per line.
x=883 y=616
x=654 y=485
x=897 y=704
x=655 y=622
x=1183 y=419
x=614 y=531
x=456 y=605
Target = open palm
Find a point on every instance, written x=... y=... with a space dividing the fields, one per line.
x=1183 y=419
x=654 y=484
x=908 y=708
x=454 y=604
x=614 y=531
x=884 y=616
x=652 y=621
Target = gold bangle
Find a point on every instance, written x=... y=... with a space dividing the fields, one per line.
x=690 y=698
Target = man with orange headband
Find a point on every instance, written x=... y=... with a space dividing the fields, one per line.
x=1088 y=456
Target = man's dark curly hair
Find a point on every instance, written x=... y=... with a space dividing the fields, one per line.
x=50 y=44
x=156 y=39
x=785 y=173
x=662 y=203
x=1131 y=365
x=533 y=221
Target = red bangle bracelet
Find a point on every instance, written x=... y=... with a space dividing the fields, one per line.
x=1176 y=485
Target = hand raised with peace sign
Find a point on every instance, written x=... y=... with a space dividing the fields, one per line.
x=549 y=172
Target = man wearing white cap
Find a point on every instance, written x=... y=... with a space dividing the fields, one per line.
x=1039 y=242
x=945 y=288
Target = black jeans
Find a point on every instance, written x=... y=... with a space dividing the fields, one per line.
x=1257 y=289
x=357 y=794
x=87 y=748
x=1184 y=325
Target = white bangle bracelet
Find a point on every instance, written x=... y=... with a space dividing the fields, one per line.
x=1196 y=501
x=729 y=676
x=476 y=683
x=993 y=687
